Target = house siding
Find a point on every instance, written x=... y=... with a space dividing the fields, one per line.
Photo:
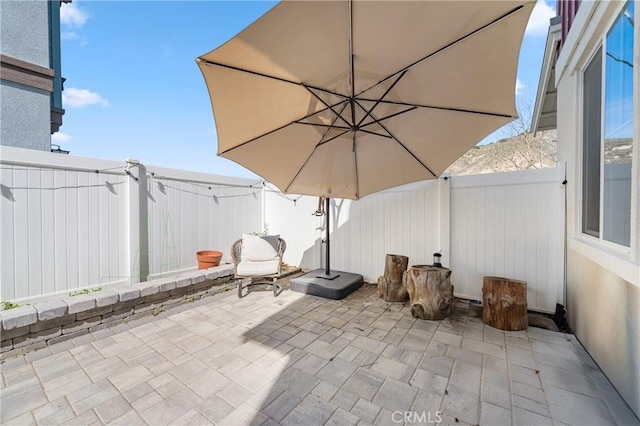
x=24 y=32
x=567 y=10
x=31 y=85
x=603 y=314
x=603 y=280
x=25 y=116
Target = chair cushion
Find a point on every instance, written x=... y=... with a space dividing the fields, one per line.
x=255 y=248
x=249 y=268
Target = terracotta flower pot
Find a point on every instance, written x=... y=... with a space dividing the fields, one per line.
x=208 y=258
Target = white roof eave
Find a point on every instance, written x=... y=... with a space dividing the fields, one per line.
x=545 y=84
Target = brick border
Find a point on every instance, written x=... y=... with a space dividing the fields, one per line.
x=27 y=328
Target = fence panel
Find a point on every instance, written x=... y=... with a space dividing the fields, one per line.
x=189 y=212
x=52 y=225
x=511 y=225
x=291 y=217
x=400 y=221
x=67 y=222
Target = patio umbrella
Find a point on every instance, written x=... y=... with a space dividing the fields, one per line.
x=347 y=98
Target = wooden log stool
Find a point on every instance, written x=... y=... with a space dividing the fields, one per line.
x=430 y=291
x=390 y=286
x=504 y=303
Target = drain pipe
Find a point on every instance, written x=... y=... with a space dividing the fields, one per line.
x=564 y=242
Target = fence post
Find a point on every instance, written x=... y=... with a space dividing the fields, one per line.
x=137 y=227
x=444 y=222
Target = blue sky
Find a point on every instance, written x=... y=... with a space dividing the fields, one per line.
x=133 y=89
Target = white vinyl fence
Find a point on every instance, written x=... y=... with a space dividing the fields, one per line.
x=503 y=224
x=70 y=222
x=404 y=220
x=509 y=225
x=189 y=212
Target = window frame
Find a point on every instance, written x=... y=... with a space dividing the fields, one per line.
x=583 y=156
x=599 y=46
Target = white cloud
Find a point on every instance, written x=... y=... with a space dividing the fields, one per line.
x=519 y=86
x=539 y=20
x=72 y=16
x=79 y=98
x=59 y=138
x=73 y=36
x=69 y=35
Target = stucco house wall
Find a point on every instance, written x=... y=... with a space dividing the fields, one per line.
x=26 y=74
x=25 y=117
x=603 y=279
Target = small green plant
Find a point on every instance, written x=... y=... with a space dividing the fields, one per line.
x=225 y=289
x=157 y=310
x=84 y=291
x=265 y=231
x=190 y=300
x=286 y=266
x=8 y=305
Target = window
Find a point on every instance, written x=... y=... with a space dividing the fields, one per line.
x=607 y=135
x=591 y=146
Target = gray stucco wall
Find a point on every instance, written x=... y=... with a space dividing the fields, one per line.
x=25 y=112
x=24 y=31
x=603 y=313
x=24 y=117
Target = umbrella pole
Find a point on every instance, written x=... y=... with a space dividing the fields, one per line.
x=326 y=213
x=327 y=275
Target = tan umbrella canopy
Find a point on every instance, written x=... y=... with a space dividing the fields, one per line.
x=346 y=98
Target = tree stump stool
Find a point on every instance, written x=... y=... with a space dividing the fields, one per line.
x=390 y=285
x=504 y=303
x=430 y=291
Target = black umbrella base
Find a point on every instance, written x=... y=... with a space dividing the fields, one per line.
x=332 y=275
x=337 y=288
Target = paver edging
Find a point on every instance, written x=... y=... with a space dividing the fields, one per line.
x=27 y=328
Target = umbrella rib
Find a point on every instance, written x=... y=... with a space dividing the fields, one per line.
x=259 y=74
x=468 y=111
x=309 y=157
x=355 y=166
x=386 y=117
x=368 y=113
x=373 y=133
x=256 y=138
x=326 y=104
x=275 y=130
x=332 y=138
x=318 y=144
x=330 y=126
x=352 y=75
x=319 y=89
x=447 y=46
x=403 y=146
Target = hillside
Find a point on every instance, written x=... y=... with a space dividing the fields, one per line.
x=525 y=151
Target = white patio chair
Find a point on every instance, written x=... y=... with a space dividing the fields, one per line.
x=258 y=258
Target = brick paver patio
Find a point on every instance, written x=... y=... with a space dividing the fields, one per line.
x=299 y=359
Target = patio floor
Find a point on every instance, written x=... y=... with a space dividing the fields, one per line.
x=299 y=359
